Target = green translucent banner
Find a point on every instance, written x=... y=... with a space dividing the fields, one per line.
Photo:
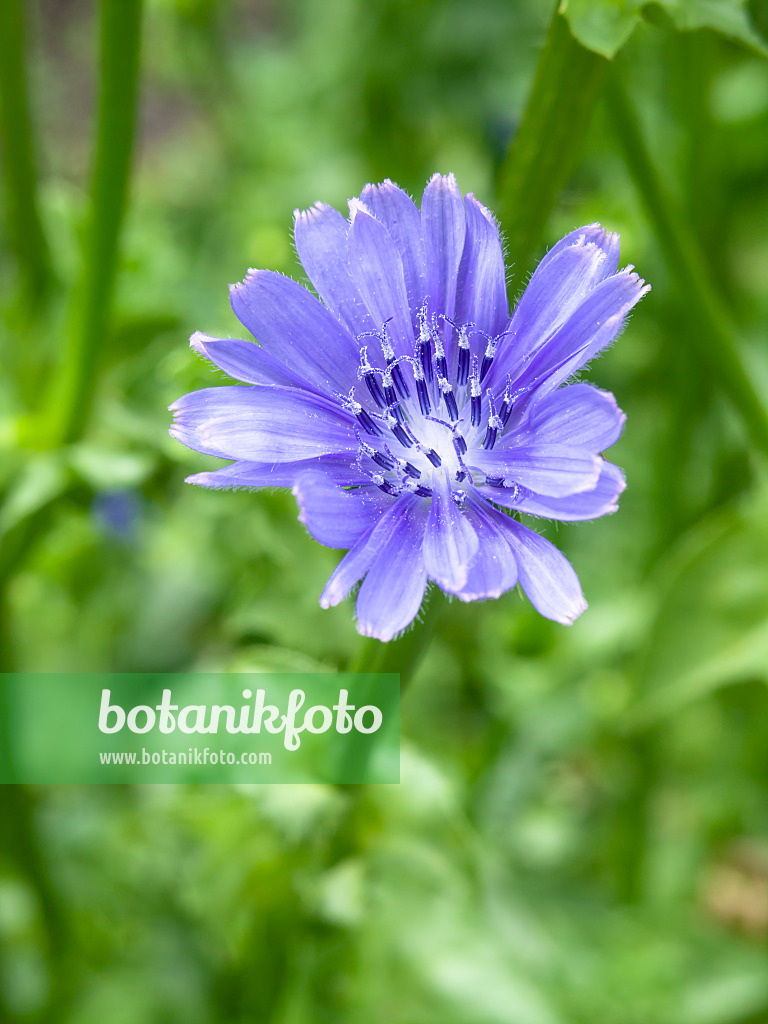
x=204 y=727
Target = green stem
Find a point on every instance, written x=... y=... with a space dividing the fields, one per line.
x=544 y=151
x=25 y=230
x=710 y=335
x=404 y=654
x=119 y=77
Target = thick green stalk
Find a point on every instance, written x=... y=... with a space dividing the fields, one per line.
x=710 y=336
x=116 y=124
x=25 y=230
x=544 y=150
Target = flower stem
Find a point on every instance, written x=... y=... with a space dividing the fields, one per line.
x=25 y=230
x=544 y=150
x=404 y=654
x=120 y=37
x=711 y=334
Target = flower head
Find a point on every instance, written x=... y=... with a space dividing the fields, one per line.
x=409 y=412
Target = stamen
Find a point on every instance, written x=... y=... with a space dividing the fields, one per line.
x=490 y=352
x=380 y=458
x=476 y=402
x=350 y=403
x=393 y=365
x=448 y=396
x=423 y=492
x=431 y=454
x=460 y=444
x=401 y=432
x=368 y=373
x=441 y=364
x=390 y=488
x=506 y=406
x=424 y=345
x=494 y=424
x=459 y=497
x=409 y=469
x=495 y=481
x=462 y=371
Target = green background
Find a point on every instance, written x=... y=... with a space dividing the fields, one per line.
x=581 y=829
x=75 y=728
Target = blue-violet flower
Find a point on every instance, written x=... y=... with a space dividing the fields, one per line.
x=409 y=412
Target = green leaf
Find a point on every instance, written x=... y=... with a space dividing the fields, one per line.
x=43 y=478
x=605 y=25
x=106 y=469
x=602 y=25
x=711 y=629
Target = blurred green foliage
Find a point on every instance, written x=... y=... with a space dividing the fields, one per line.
x=581 y=831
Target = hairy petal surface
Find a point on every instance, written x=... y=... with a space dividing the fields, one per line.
x=400 y=216
x=246 y=361
x=297 y=329
x=261 y=424
x=336 y=517
x=578 y=414
x=444 y=227
x=450 y=543
x=377 y=270
x=546 y=575
x=601 y=501
x=391 y=593
x=482 y=281
x=553 y=469
x=342 y=470
x=592 y=327
x=321 y=235
x=493 y=570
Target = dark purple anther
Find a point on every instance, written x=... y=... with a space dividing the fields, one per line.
x=399 y=431
x=372 y=382
x=459 y=444
x=462 y=372
x=368 y=425
x=450 y=405
x=433 y=457
x=390 y=488
x=490 y=438
x=399 y=380
x=423 y=392
x=423 y=492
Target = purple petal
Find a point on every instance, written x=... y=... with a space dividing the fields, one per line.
x=444 y=226
x=246 y=361
x=552 y=469
x=450 y=543
x=578 y=414
x=608 y=241
x=340 y=469
x=321 y=235
x=556 y=290
x=261 y=424
x=493 y=570
x=546 y=575
x=297 y=329
x=601 y=501
x=482 y=281
x=391 y=593
x=377 y=270
x=336 y=517
x=400 y=216
x=357 y=561
x=593 y=326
